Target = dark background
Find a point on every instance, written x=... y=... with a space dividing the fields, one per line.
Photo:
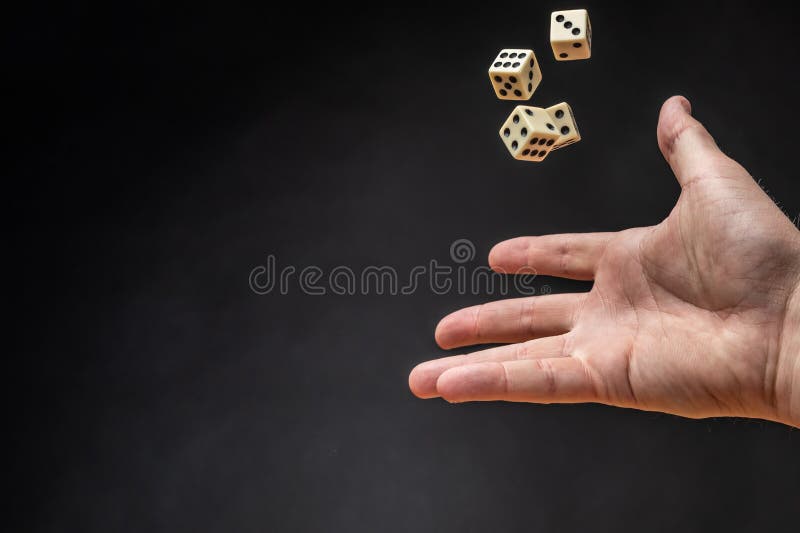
x=156 y=154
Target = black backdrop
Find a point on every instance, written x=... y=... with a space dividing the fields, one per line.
x=160 y=153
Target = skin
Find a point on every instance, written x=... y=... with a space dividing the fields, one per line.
x=698 y=316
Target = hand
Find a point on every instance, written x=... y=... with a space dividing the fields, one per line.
x=697 y=316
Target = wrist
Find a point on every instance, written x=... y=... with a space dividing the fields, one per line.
x=789 y=360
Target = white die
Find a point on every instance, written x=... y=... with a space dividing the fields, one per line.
x=529 y=133
x=565 y=124
x=571 y=35
x=515 y=74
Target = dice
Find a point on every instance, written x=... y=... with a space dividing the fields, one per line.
x=515 y=74
x=529 y=133
x=565 y=124
x=571 y=35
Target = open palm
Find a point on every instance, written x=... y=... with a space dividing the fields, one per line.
x=686 y=317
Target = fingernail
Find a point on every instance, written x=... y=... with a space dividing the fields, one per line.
x=686 y=105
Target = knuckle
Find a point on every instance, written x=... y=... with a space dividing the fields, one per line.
x=521 y=350
x=565 y=256
x=548 y=377
x=527 y=317
x=476 y=321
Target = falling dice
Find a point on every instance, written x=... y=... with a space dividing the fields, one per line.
x=565 y=124
x=529 y=133
x=515 y=74
x=571 y=35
